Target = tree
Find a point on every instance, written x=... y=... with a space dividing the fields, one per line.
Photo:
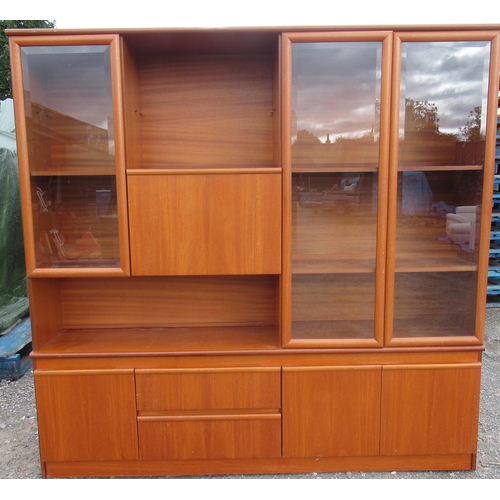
x=5 y=80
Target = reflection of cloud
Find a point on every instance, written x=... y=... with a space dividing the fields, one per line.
x=451 y=75
x=336 y=87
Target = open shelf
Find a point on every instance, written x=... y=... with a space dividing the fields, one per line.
x=158 y=341
x=194 y=109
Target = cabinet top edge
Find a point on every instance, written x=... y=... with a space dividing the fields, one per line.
x=249 y=29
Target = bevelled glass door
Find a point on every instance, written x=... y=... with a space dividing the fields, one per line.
x=439 y=167
x=74 y=155
x=335 y=175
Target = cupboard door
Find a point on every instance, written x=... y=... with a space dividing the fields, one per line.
x=335 y=154
x=202 y=224
x=329 y=412
x=443 y=142
x=430 y=409
x=71 y=154
x=86 y=415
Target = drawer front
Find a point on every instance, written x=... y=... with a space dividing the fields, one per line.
x=208 y=389
x=210 y=437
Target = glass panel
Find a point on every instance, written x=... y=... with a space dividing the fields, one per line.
x=444 y=88
x=334 y=222
x=69 y=110
x=441 y=152
x=75 y=221
x=437 y=304
x=333 y=306
x=335 y=150
x=438 y=220
x=336 y=105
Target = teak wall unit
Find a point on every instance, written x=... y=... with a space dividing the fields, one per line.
x=256 y=250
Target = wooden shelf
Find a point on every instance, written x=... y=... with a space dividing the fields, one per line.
x=204 y=170
x=332 y=264
x=75 y=172
x=111 y=342
x=423 y=167
x=333 y=330
x=333 y=168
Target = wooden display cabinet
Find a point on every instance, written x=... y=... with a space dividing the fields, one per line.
x=256 y=250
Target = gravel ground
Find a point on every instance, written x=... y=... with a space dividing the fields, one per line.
x=19 y=455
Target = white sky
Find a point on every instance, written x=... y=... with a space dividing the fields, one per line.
x=226 y=13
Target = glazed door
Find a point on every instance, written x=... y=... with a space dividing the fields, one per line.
x=335 y=159
x=71 y=155
x=442 y=159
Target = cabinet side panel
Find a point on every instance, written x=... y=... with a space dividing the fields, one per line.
x=430 y=410
x=45 y=310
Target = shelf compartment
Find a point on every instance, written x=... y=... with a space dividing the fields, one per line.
x=75 y=222
x=130 y=316
x=69 y=107
x=195 y=109
x=434 y=304
x=333 y=306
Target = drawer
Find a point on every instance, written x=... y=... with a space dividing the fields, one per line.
x=209 y=437
x=208 y=389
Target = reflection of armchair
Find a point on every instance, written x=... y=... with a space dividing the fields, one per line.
x=461 y=226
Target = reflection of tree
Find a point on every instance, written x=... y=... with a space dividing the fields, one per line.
x=423 y=142
x=306 y=137
x=421 y=117
x=472 y=130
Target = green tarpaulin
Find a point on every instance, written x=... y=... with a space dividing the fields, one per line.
x=13 y=288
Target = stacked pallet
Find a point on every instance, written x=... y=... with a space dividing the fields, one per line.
x=15 y=346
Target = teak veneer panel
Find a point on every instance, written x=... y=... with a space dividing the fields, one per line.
x=210 y=437
x=331 y=411
x=207 y=110
x=86 y=415
x=430 y=409
x=208 y=389
x=205 y=224
x=168 y=302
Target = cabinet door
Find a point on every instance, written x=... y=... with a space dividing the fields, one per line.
x=202 y=224
x=329 y=412
x=335 y=154
x=441 y=176
x=68 y=118
x=430 y=410
x=86 y=415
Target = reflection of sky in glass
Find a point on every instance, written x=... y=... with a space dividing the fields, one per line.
x=336 y=88
x=90 y=63
x=451 y=75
